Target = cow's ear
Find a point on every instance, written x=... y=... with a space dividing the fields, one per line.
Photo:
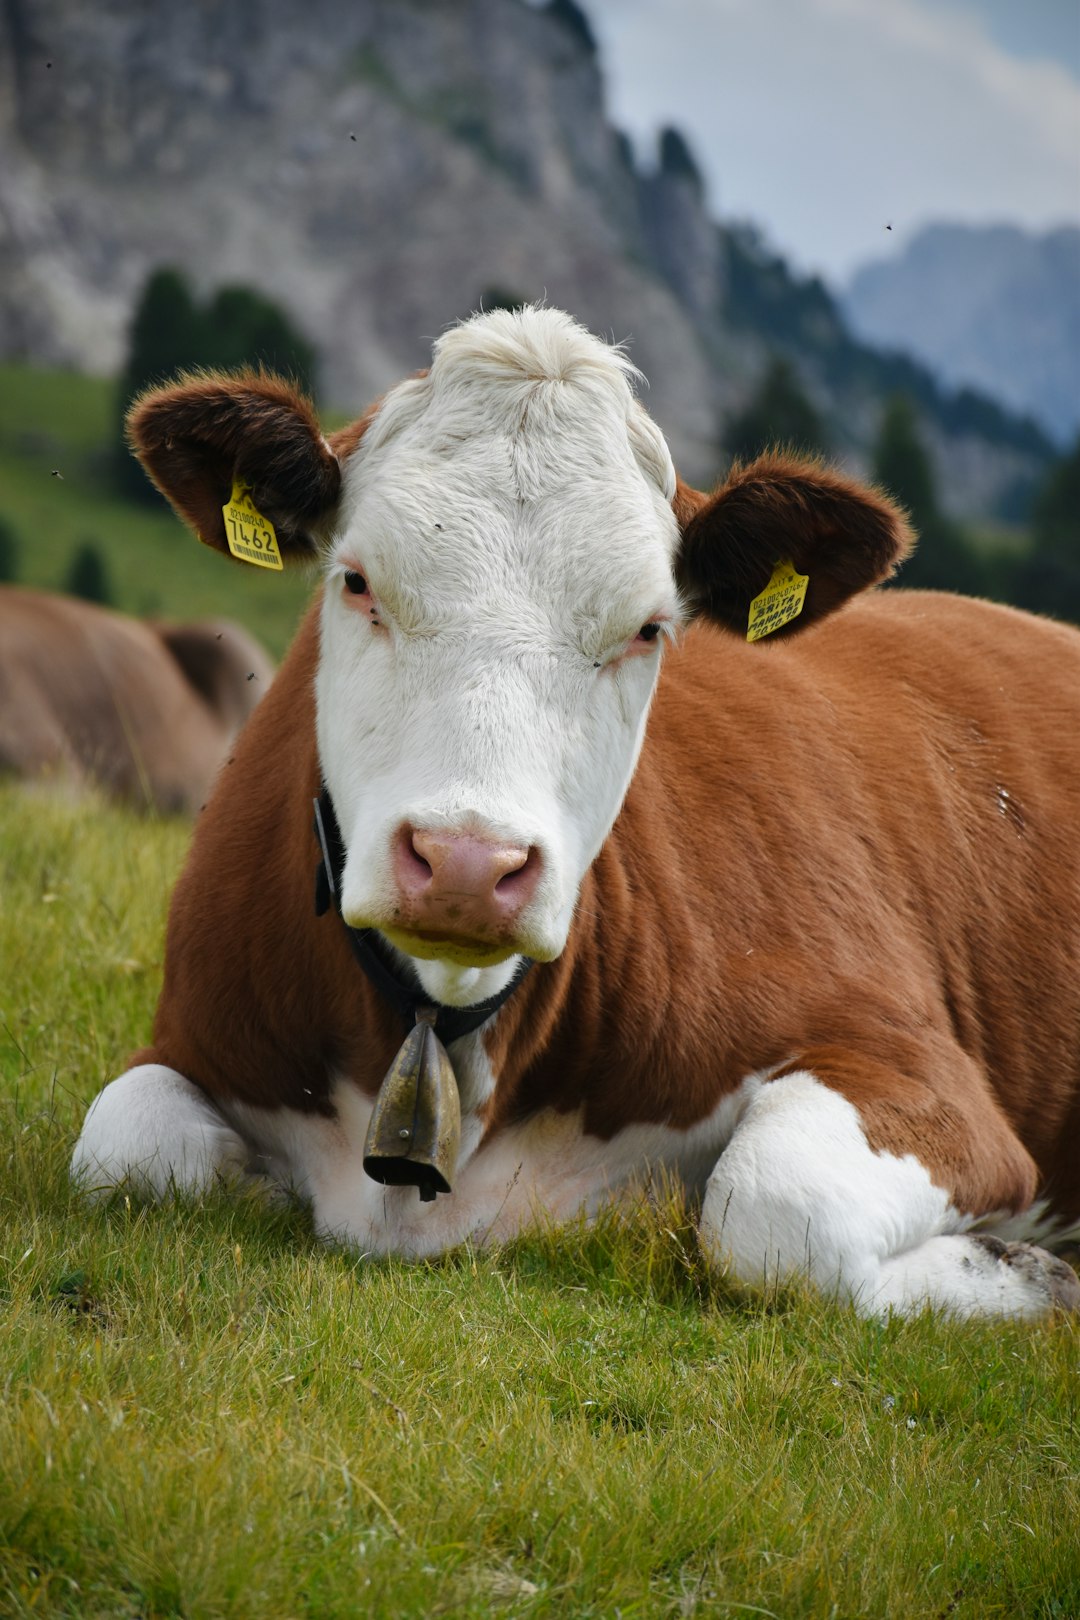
x=840 y=535
x=208 y=432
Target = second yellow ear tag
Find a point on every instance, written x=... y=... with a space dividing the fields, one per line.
x=780 y=602
x=250 y=536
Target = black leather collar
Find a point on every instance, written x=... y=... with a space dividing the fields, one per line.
x=451 y=1023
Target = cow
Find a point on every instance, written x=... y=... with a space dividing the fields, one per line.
x=145 y=712
x=808 y=943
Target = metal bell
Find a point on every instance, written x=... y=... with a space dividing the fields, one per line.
x=415 y=1129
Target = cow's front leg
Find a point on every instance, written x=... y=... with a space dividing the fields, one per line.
x=154 y=1130
x=865 y=1182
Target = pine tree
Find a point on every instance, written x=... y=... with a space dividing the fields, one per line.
x=9 y=553
x=1048 y=579
x=244 y=328
x=780 y=414
x=943 y=560
x=496 y=297
x=165 y=337
x=171 y=333
x=1056 y=515
x=88 y=576
x=902 y=465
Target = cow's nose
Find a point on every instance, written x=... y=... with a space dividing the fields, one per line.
x=461 y=883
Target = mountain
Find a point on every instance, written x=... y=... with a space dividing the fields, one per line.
x=378 y=167
x=989 y=307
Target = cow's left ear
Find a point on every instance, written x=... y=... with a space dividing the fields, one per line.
x=841 y=535
x=206 y=433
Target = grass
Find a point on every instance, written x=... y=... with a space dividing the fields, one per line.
x=206 y=1413
x=64 y=423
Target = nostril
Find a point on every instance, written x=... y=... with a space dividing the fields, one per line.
x=413 y=868
x=521 y=876
x=417 y=855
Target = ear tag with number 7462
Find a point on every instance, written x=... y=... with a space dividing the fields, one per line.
x=250 y=536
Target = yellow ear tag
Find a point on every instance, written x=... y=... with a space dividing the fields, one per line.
x=780 y=602
x=251 y=537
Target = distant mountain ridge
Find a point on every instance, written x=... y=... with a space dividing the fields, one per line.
x=991 y=307
x=376 y=166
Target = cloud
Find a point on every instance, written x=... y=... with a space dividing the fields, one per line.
x=826 y=120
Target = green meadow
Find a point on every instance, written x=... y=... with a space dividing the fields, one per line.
x=207 y=1413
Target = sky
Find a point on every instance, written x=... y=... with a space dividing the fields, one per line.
x=826 y=121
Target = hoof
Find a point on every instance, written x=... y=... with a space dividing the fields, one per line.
x=1054 y=1278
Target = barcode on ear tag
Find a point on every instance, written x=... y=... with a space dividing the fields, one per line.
x=780 y=602
x=250 y=536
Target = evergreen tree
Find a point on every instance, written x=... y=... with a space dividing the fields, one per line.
x=171 y=333
x=496 y=297
x=166 y=330
x=88 y=576
x=1056 y=515
x=9 y=553
x=902 y=465
x=165 y=337
x=1048 y=579
x=780 y=414
x=241 y=327
x=943 y=559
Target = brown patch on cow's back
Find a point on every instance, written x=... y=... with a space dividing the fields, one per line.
x=91 y=695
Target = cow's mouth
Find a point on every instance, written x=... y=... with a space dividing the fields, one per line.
x=432 y=945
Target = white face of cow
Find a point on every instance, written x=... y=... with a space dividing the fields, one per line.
x=498 y=592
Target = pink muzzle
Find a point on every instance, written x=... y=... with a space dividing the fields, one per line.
x=462 y=887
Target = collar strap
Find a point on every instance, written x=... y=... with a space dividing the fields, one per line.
x=449 y=1023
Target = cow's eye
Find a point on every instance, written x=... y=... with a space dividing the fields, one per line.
x=648 y=632
x=355 y=584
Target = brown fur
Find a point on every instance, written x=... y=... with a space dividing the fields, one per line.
x=146 y=712
x=811 y=869
x=815 y=866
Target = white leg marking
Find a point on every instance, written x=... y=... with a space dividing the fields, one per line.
x=158 y=1131
x=799 y=1191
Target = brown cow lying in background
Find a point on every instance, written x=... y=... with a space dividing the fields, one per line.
x=145 y=711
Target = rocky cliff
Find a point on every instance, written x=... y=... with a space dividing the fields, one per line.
x=376 y=165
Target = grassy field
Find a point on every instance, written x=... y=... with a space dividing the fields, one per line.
x=205 y=1413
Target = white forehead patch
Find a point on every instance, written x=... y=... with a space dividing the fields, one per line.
x=539 y=378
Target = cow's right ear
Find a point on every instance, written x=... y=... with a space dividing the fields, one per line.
x=840 y=535
x=207 y=432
